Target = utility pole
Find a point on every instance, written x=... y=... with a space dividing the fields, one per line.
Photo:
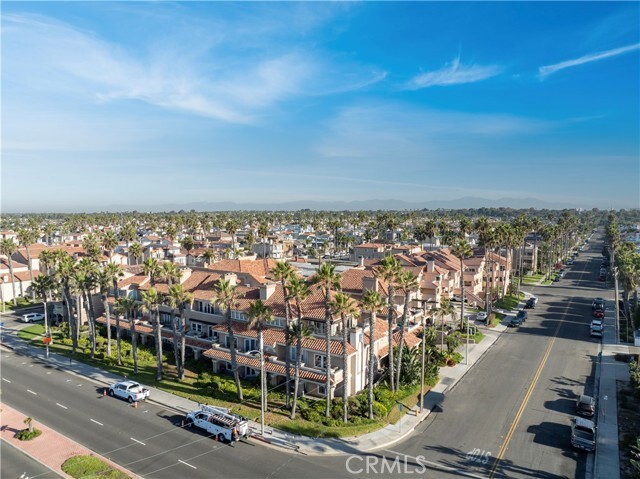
x=424 y=339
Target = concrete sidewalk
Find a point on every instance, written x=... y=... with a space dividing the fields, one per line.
x=385 y=437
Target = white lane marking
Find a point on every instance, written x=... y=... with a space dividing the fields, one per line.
x=24 y=362
x=6 y=380
x=139 y=442
x=98 y=423
x=30 y=391
x=63 y=407
x=78 y=385
x=30 y=365
x=437 y=465
x=68 y=380
x=48 y=372
x=187 y=464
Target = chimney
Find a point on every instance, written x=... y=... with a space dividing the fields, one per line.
x=431 y=264
x=184 y=274
x=362 y=261
x=231 y=278
x=369 y=283
x=266 y=290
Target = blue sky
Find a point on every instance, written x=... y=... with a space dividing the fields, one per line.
x=165 y=102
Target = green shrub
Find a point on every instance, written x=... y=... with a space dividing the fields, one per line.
x=26 y=435
x=311 y=415
x=91 y=467
x=379 y=410
x=384 y=396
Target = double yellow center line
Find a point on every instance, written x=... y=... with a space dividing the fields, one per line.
x=527 y=396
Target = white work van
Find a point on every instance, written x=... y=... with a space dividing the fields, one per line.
x=220 y=423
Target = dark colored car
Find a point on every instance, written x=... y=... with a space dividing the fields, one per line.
x=530 y=304
x=598 y=313
x=586 y=406
x=515 y=322
x=522 y=315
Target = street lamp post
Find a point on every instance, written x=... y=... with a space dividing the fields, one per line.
x=424 y=339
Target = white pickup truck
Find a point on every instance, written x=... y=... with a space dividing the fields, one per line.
x=129 y=390
x=220 y=423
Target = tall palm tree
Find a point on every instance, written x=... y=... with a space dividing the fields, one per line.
x=8 y=248
x=170 y=273
x=109 y=242
x=26 y=237
x=259 y=316
x=127 y=306
x=226 y=295
x=372 y=301
x=445 y=310
x=409 y=283
x=112 y=272
x=128 y=233
x=328 y=280
x=64 y=267
x=232 y=227
x=150 y=303
x=135 y=251
x=263 y=231
x=85 y=278
x=388 y=271
x=283 y=272
x=345 y=307
x=179 y=299
x=151 y=268
x=43 y=285
x=298 y=291
x=461 y=250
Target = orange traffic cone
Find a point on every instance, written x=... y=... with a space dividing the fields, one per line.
x=104 y=391
x=135 y=404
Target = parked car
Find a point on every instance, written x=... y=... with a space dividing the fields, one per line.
x=583 y=434
x=570 y=262
x=522 y=315
x=481 y=316
x=598 y=303
x=557 y=278
x=530 y=304
x=586 y=406
x=219 y=423
x=534 y=299
x=598 y=313
x=32 y=317
x=129 y=390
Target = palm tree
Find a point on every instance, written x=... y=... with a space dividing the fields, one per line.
x=43 y=285
x=187 y=243
x=112 y=272
x=409 y=283
x=150 y=303
x=8 y=248
x=259 y=316
x=388 y=271
x=232 y=227
x=263 y=230
x=445 y=310
x=109 y=242
x=345 y=307
x=26 y=237
x=298 y=291
x=170 y=273
x=135 y=251
x=431 y=229
x=128 y=233
x=127 y=306
x=461 y=250
x=283 y=272
x=85 y=279
x=208 y=256
x=372 y=301
x=226 y=295
x=64 y=267
x=328 y=279
x=151 y=268
x=180 y=298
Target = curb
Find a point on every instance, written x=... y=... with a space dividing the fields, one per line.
x=61 y=473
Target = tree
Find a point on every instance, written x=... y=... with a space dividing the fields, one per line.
x=26 y=237
x=151 y=268
x=226 y=295
x=8 y=248
x=328 y=279
x=150 y=303
x=109 y=242
x=180 y=298
x=259 y=316
x=283 y=272
x=372 y=301
x=461 y=250
x=263 y=231
x=345 y=307
x=388 y=271
x=135 y=251
x=409 y=283
x=128 y=306
x=128 y=233
x=187 y=243
x=43 y=285
x=85 y=280
x=298 y=291
x=112 y=272
x=232 y=227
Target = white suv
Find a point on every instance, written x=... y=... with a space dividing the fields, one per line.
x=32 y=317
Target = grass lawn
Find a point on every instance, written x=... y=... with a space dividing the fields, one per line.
x=90 y=466
x=532 y=279
x=509 y=302
x=22 y=303
x=224 y=394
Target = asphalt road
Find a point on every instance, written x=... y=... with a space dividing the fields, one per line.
x=17 y=465
x=509 y=417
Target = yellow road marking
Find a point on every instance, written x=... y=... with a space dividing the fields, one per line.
x=527 y=396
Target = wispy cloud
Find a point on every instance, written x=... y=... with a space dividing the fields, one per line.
x=454 y=74
x=547 y=70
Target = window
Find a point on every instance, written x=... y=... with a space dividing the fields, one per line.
x=250 y=344
x=205 y=307
x=320 y=361
x=322 y=390
x=196 y=327
x=227 y=342
x=239 y=315
x=251 y=372
x=292 y=353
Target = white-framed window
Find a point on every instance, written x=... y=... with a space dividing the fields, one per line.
x=320 y=361
x=239 y=315
x=197 y=327
x=322 y=389
x=292 y=353
x=206 y=307
x=227 y=342
x=250 y=344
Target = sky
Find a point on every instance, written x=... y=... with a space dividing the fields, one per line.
x=127 y=103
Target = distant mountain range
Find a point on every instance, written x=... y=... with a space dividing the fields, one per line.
x=372 y=205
